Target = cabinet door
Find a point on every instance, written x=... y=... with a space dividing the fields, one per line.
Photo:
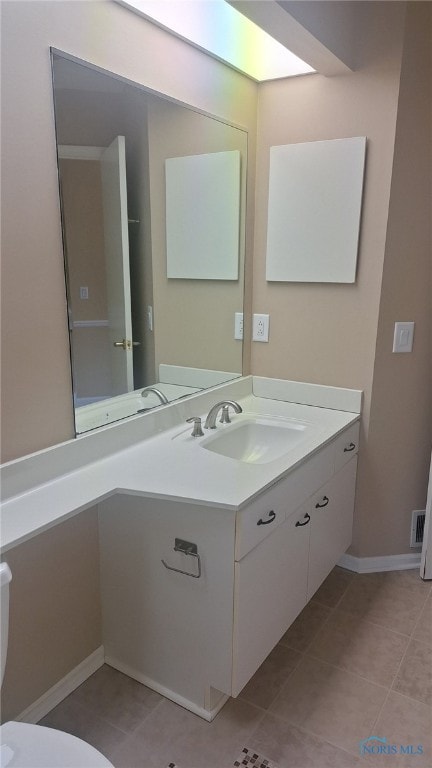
x=270 y=591
x=331 y=525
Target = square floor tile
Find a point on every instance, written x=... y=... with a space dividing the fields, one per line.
x=406 y=727
x=117 y=698
x=334 y=587
x=74 y=717
x=172 y=734
x=305 y=627
x=414 y=678
x=266 y=683
x=423 y=629
x=392 y=599
x=329 y=702
x=351 y=643
x=292 y=747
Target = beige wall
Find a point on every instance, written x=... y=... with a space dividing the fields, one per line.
x=35 y=341
x=326 y=333
x=193 y=319
x=55 y=615
x=82 y=202
x=84 y=244
x=396 y=456
x=342 y=334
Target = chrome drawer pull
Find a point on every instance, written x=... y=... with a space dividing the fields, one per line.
x=186 y=548
x=272 y=516
x=325 y=500
x=349 y=448
x=306 y=517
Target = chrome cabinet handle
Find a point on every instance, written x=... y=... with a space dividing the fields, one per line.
x=186 y=548
x=306 y=517
x=272 y=516
x=325 y=500
x=349 y=448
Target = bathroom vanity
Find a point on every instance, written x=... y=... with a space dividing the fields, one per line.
x=210 y=546
x=200 y=624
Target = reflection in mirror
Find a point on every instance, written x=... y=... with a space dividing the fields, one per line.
x=132 y=326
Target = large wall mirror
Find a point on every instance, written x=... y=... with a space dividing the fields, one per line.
x=138 y=171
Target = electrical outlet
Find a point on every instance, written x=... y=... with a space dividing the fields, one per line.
x=260 y=328
x=238 y=325
x=84 y=293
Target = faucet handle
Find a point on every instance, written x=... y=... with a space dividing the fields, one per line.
x=225 y=418
x=197 y=429
x=210 y=422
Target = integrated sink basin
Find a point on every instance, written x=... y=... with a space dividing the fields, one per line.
x=256 y=440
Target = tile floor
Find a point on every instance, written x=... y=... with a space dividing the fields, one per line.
x=356 y=663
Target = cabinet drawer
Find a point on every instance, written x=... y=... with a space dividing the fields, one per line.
x=281 y=500
x=259 y=519
x=346 y=445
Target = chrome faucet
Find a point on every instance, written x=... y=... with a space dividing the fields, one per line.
x=210 y=422
x=157 y=392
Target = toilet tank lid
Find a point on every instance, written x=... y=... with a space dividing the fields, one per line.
x=5 y=574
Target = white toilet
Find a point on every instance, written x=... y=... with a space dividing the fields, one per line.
x=34 y=746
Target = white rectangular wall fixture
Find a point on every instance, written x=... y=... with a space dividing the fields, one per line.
x=260 y=327
x=403 y=338
x=314 y=207
x=203 y=216
x=238 y=325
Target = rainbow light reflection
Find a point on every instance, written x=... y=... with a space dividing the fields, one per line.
x=222 y=31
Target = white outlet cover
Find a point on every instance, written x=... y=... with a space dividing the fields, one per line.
x=260 y=327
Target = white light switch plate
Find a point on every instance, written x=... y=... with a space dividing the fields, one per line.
x=403 y=337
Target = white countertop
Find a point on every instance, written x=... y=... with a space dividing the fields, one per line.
x=162 y=467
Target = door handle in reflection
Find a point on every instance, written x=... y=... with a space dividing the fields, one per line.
x=126 y=344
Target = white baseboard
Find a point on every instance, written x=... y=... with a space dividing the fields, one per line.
x=206 y=714
x=63 y=688
x=377 y=564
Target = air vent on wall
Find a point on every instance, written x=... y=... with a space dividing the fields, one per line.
x=417 y=527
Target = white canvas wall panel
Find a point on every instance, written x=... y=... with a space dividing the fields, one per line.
x=203 y=215
x=314 y=208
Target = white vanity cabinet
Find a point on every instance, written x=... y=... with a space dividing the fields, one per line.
x=169 y=630
x=196 y=630
x=284 y=568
